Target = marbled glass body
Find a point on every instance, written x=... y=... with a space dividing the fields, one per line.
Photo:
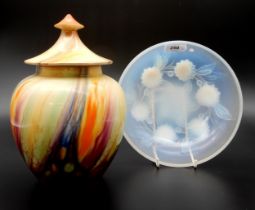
x=67 y=120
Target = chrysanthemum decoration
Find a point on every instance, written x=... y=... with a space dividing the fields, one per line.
x=198 y=127
x=151 y=77
x=164 y=134
x=140 y=111
x=198 y=81
x=184 y=70
x=208 y=95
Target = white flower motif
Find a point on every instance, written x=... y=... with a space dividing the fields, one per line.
x=165 y=133
x=184 y=70
x=140 y=111
x=151 y=77
x=198 y=127
x=208 y=95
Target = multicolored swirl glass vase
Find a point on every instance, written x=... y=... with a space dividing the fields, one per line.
x=67 y=118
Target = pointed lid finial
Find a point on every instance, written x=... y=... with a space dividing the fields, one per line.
x=69 y=24
x=69 y=50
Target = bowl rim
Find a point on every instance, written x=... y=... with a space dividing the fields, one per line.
x=240 y=99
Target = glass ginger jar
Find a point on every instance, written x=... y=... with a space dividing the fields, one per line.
x=68 y=117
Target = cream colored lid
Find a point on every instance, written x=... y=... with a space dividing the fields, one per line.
x=69 y=50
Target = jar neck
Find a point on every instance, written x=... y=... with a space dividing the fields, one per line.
x=69 y=71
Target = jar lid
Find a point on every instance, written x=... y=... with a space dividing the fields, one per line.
x=184 y=103
x=69 y=49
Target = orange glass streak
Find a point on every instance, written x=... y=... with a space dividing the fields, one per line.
x=15 y=112
x=86 y=137
x=15 y=97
